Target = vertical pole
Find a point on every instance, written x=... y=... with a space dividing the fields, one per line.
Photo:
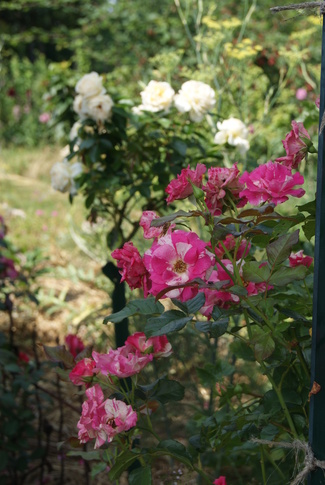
x=317 y=401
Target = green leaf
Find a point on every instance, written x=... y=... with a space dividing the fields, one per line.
x=146 y=306
x=279 y=250
x=168 y=390
x=168 y=322
x=140 y=476
x=309 y=229
x=85 y=144
x=310 y=207
x=177 y=450
x=163 y=220
x=263 y=343
x=253 y=272
x=122 y=463
x=285 y=276
x=238 y=290
x=59 y=354
x=86 y=455
x=216 y=329
x=98 y=468
x=191 y=306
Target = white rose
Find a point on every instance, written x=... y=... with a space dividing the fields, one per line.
x=196 y=98
x=77 y=105
x=63 y=175
x=157 y=96
x=98 y=108
x=74 y=130
x=90 y=85
x=234 y=132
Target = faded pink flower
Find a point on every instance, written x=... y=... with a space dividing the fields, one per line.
x=84 y=368
x=177 y=259
x=133 y=270
x=44 y=118
x=75 y=344
x=298 y=259
x=230 y=243
x=220 y=481
x=123 y=362
x=181 y=188
x=103 y=419
x=271 y=182
x=301 y=94
x=157 y=346
x=221 y=182
x=221 y=298
x=7 y=268
x=153 y=232
x=296 y=146
x=317 y=102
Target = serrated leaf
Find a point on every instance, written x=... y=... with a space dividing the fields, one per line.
x=140 y=476
x=98 y=468
x=122 y=463
x=193 y=305
x=59 y=354
x=310 y=207
x=163 y=390
x=177 y=450
x=263 y=343
x=279 y=250
x=171 y=217
x=238 y=290
x=285 y=276
x=168 y=322
x=254 y=273
x=146 y=306
x=86 y=455
x=309 y=229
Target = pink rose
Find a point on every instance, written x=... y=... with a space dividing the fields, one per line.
x=133 y=270
x=153 y=232
x=176 y=259
x=84 y=368
x=220 y=481
x=75 y=344
x=157 y=346
x=44 y=118
x=295 y=145
x=271 y=182
x=103 y=419
x=221 y=182
x=123 y=362
x=317 y=102
x=181 y=188
x=298 y=259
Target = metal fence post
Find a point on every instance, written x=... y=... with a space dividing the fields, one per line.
x=317 y=401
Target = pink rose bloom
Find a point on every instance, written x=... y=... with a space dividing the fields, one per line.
x=177 y=259
x=153 y=232
x=133 y=270
x=103 y=419
x=295 y=146
x=220 y=298
x=271 y=182
x=301 y=94
x=230 y=244
x=123 y=362
x=222 y=181
x=84 y=368
x=317 y=102
x=7 y=268
x=298 y=259
x=75 y=344
x=220 y=481
x=181 y=188
x=157 y=346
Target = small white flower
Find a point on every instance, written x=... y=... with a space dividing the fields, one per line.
x=98 y=108
x=157 y=96
x=74 y=130
x=234 y=132
x=90 y=85
x=196 y=98
x=77 y=105
x=63 y=175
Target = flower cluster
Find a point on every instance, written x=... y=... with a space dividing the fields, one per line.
x=194 y=97
x=92 y=101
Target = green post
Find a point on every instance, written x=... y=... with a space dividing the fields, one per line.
x=317 y=401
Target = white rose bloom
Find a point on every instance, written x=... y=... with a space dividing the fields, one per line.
x=63 y=174
x=195 y=97
x=157 y=96
x=98 y=108
x=90 y=85
x=77 y=105
x=74 y=130
x=138 y=110
x=234 y=132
